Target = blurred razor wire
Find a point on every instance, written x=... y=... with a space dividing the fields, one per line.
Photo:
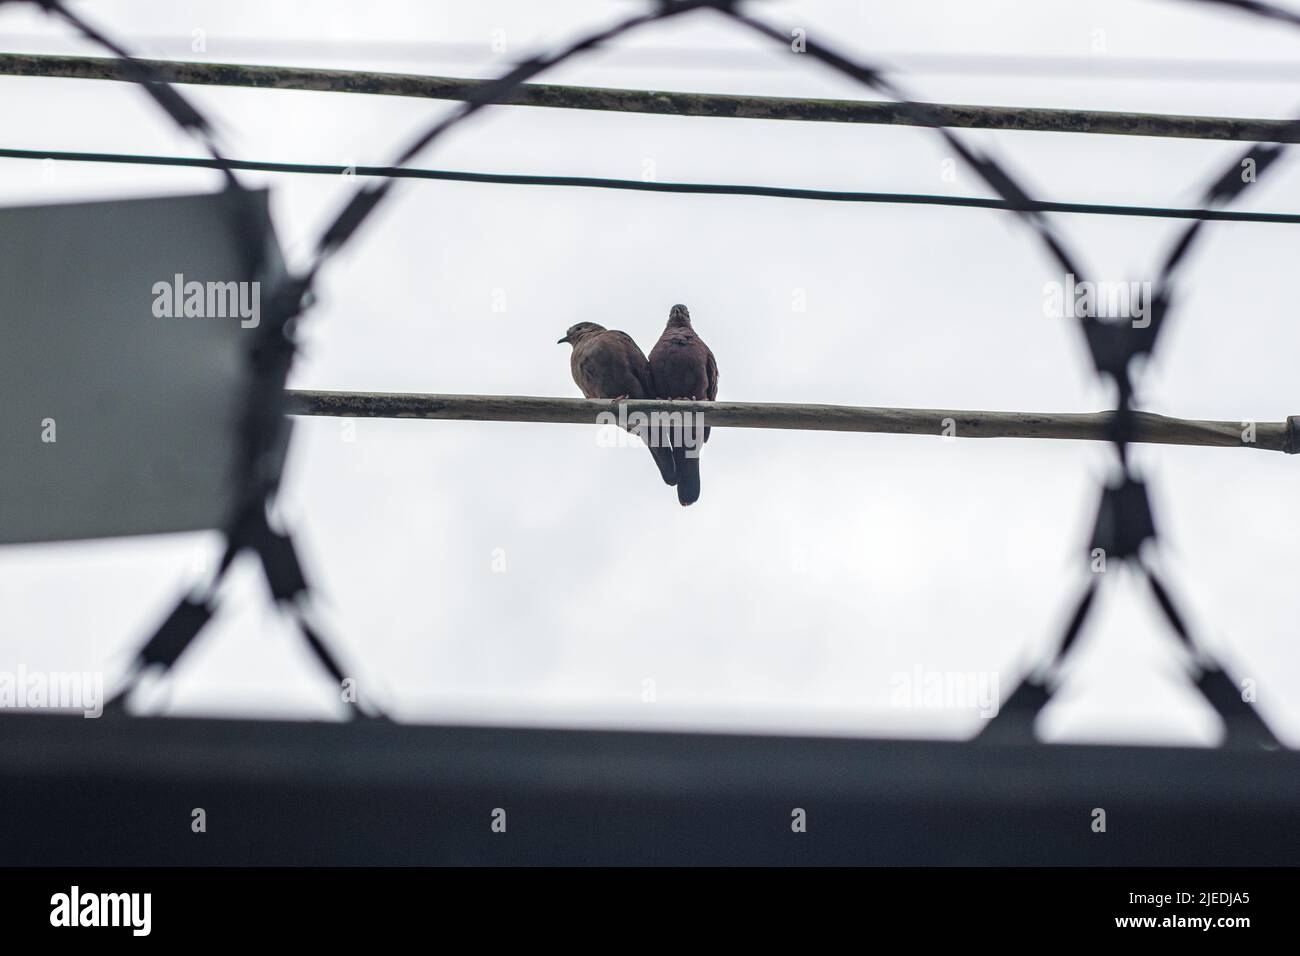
x=1124 y=523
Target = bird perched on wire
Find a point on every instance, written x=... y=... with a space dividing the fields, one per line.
x=683 y=367
x=607 y=363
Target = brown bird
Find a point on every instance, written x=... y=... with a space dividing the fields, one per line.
x=683 y=367
x=607 y=363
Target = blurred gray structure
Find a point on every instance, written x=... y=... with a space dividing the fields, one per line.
x=119 y=420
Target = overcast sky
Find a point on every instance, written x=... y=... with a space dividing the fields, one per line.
x=819 y=572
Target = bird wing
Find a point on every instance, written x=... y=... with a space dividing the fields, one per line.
x=636 y=361
x=584 y=370
x=711 y=370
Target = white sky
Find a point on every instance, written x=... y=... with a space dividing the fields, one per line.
x=816 y=567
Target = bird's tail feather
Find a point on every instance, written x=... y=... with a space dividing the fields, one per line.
x=663 y=457
x=660 y=451
x=688 y=475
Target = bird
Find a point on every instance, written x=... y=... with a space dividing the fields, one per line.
x=607 y=363
x=683 y=367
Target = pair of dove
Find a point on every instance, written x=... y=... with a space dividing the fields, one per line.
x=607 y=363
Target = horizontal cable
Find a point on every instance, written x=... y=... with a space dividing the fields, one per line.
x=667 y=103
x=636 y=185
x=1110 y=66
x=1086 y=426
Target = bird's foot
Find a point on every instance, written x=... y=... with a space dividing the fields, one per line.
x=620 y=398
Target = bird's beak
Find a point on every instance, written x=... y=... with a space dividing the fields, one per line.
x=562 y=341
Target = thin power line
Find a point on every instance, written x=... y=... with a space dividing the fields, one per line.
x=636 y=185
x=670 y=103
